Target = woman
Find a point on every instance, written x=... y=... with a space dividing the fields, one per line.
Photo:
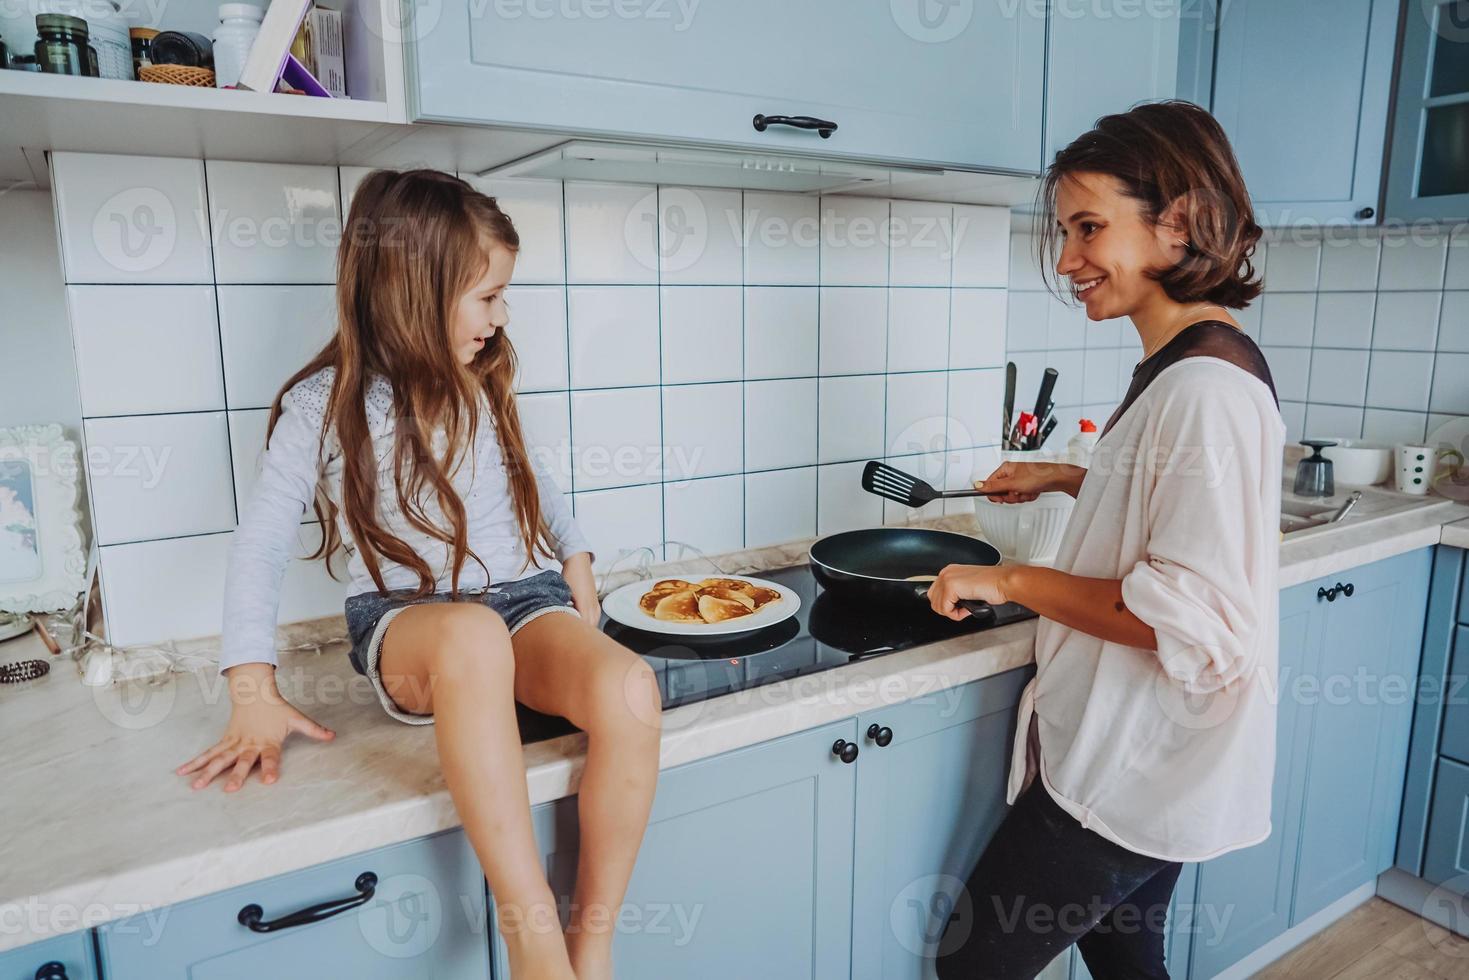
x=1149 y=720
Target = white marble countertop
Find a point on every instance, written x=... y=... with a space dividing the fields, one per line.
x=1457 y=534
x=98 y=826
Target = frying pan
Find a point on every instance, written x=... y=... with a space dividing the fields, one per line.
x=874 y=563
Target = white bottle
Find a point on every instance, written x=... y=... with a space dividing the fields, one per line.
x=1079 y=449
x=238 y=25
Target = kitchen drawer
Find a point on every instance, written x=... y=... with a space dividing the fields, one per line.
x=1454 y=742
x=426 y=918
x=1464 y=593
x=1448 y=831
x=73 y=951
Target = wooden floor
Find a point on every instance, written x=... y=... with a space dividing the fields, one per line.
x=1376 y=941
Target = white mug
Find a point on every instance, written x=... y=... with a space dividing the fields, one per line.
x=1416 y=466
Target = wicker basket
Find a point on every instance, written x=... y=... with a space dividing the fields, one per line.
x=177 y=75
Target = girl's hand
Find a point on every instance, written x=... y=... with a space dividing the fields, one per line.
x=577 y=570
x=987 y=583
x=1018 y=483
x=259 y=722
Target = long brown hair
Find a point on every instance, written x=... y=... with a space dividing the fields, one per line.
x=1167 y=153
x=414 y=242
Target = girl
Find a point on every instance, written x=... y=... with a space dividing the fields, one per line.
x=1149 y=720
x=420 y=368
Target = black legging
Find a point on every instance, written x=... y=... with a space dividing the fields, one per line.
x=1044 y=882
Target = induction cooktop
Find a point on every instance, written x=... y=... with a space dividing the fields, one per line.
x=827 y=632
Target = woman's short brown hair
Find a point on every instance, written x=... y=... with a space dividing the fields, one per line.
x=1162 y=153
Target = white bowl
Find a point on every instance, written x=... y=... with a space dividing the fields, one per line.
x=1025 y=532
x=1358 y=463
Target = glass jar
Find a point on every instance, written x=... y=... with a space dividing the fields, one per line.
x=62 y=48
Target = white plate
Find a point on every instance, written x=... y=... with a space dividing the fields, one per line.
x=622 y=606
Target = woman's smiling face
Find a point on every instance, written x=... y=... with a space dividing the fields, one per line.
x=481 y=311
x=1109 y=246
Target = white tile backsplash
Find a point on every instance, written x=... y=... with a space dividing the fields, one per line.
x=613 y=335
x=160 y=476
x=707 y=514
x=1293 y=266
x=850 y=418
x=702 y=333
x=1345 y=319
x=1350 y=264
x=1287 y=319
x=854 y=241
x=782 y=235
x=977 y=328
x=274 y=222
x=780 y=423
x=918 y=329
x=700 y=236
x=1412 y=261
x=1338 y=377
x=126 y=219
x=619 y=521
x=611 y=233
x=782 y=325
x=854 y=325
x=780 y=505
x=981 y=246
x=1399 y=379
x=1406 y=321
x=841 y=503
x=1453 y=323
x=120 y=334
x=616 y=437
x=267 y=333
x=538 y=331
x=534 y=206
x=917 y=413
x=922 y=243
x=703 y=430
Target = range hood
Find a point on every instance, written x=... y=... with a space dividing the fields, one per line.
x=635 y=163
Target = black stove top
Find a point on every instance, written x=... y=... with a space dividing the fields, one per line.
x=826 y=632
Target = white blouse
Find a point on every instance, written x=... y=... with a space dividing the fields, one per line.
x=295 y=461
x=1170 y=753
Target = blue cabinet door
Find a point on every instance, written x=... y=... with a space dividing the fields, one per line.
x=1254 y=885
x=1105 y=59
x=1302 y=89
x=1428 y=172
x=927 y=803
x=1454 y=741
x=73 y=951
x=1446 y=856
x=1360 y=722
x=745 y=869
x=905 y=81
x=1183 y=921
x=425 y=918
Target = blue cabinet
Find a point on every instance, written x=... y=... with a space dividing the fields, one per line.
x=1106 y=58
x=905 y=81
x=72 y=952
x=1428 y=172
x=745 y=869
x=1347 y=674
x=1302 y=88
x=1444 y=859
x=424 y=917
x=927 y=803
x=1359 y=725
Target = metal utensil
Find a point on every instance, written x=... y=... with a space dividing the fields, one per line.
x=1048 y=385
x=893 y=484
x=1346 y=508
x=1010 y=371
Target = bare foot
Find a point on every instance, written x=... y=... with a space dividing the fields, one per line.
x=536 y=947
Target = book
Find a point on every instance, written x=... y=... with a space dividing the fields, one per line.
x=270 y=54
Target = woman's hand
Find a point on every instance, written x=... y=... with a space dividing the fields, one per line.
x=1018 y=483
x=577 y=570
x=260 y=720
x=987 y=583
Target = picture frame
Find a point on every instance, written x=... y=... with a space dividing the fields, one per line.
x=43 y=558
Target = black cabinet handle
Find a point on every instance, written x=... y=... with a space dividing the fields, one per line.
x=1338 y=589
x=1324 y=593
x=1366 y=213
x=1346 y=590
x=881 y=734
x=51 y=971
x=822 y=126
x=844 y=750
x=251 y=914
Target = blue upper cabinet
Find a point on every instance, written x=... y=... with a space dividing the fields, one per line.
x=1428 y=174
x=67 y=957
x=907 y=81
x=1105 y=58
x=1303 y=88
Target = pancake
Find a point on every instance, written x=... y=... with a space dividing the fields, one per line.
x=671 y=585
x=761 y=595
x=721 y=593
x=716 y=610
x=679 y=607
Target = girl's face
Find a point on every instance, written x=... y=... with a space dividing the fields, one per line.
x=1109 y=246
x=482 y=310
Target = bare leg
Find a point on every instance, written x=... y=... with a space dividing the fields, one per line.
x=564 y=666
x=454 y=660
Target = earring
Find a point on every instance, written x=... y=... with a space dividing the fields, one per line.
x=1182 y=242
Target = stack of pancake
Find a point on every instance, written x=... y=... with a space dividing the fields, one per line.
x=713 y=600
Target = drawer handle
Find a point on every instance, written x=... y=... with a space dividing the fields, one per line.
x=844 y=750
x=822 y=126
x=881 y=734
x=51 y=971
x=251 y=914
x=1330 y=594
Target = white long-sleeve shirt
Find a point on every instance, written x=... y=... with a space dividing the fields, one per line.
x=295 y=461
x=1170 y=753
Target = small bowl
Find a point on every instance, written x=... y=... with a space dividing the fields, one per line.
x=1358 y=463
x=1026 y=532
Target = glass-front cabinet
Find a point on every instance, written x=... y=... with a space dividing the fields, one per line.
x=1428 y=176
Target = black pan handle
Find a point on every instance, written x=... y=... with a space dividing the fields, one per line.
x=981 y=611
x=822 y=126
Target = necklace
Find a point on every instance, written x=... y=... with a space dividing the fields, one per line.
x=1174 y=330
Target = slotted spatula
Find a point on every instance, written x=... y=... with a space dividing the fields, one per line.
x=904 y=488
